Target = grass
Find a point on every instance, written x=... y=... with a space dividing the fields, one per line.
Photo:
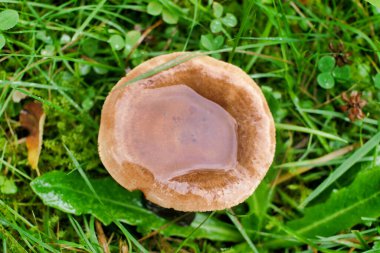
x=62 y=55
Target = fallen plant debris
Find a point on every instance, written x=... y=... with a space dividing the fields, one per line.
x=354 y=105
x=340 y=54
x=32 y=118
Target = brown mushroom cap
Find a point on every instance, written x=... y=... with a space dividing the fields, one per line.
x=152 y=137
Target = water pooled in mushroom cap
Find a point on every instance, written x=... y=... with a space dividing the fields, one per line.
x=173 y=131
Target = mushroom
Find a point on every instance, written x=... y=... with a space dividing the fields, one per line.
x=197 y=136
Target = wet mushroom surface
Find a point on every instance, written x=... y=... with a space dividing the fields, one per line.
x=172 y=131
x=197 y=136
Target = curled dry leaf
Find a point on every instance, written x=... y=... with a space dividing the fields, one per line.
x=32 y=118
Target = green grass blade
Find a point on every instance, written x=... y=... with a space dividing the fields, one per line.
x=81 y=233
x=280 y=243
x=81 y=172
x=193 y=23
x=130 y=237
x=170 y=64
x=14 y=169
x=194 y=230
x=88 y=19
x=344 y=167
x=54 y=84
x=241 y=229
x=26 y=234
x=17 y=84
x=247 y=14
x=281 y=126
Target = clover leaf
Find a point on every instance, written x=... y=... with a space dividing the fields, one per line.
x=326 y=80
x=8 y=20
x=155 y=8
x=217 y=9
x=331 y=73
x=342 y=73
x=326 y=63
x=211 y=43
x=116 y=42
x=229 y=20
x=216 y=25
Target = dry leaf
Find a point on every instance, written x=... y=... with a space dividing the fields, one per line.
x=32 y=118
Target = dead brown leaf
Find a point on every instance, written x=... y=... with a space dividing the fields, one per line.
x=32 y=118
